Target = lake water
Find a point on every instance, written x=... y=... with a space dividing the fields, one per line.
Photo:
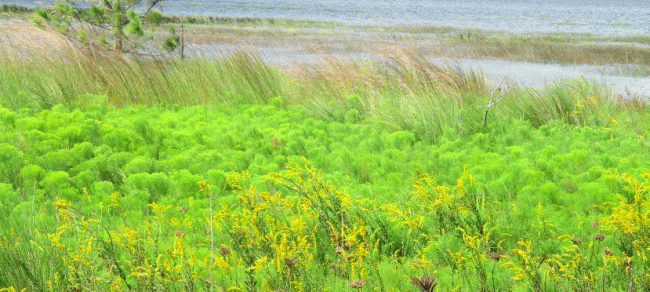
x=599 y=17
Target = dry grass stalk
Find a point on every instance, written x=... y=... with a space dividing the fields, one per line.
x=425 y=284
x=22 y=41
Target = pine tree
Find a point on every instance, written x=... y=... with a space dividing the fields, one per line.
x=110 y=24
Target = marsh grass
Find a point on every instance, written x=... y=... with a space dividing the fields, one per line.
x=400 y=89
x=545 y=48
x=631 y=71
x=236 y=6
x=304 y=232
x=13 y=8
x=252 y=33
x=555 y=50
x=404 y=92
x=39 y=77
x=248 y=21
x=580 y=102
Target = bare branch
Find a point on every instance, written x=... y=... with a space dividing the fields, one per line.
x=152 y=4
x=493 y=100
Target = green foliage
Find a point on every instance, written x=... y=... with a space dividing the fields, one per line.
x=11 y=162
x=304 y=233
x=124 y=28
x=413 y=95
x=172 y=42
x=411 y=186
x=13 y=8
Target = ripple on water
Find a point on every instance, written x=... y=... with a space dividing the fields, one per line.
x=599 y=17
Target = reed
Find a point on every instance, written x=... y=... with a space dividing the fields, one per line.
x=39 y=77
x=13 y=8
x=400 y=88
x=565 y=52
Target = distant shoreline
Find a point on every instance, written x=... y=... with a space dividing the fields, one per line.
x=532 y=60
x=608 y=18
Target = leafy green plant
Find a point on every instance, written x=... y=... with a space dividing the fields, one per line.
x=218 y=196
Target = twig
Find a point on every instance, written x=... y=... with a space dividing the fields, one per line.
x=493 y=101
x=151 y=5
x=182 y=39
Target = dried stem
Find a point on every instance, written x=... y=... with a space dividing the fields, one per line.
x=493 y=100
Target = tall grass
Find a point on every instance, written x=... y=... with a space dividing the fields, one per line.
x=632 y=71
x=13 y=8
x=565 y=49
x=402 y=89
x=41 y=80
x=407 y=92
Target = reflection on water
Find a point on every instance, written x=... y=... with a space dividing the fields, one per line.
x=600 y=17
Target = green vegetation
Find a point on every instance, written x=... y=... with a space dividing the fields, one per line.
x=248 y=21
x=614 y=24
x=13 y=8
x=235 y=6
x=330 y=37
x=141 y=179
x=559 y=48
x=405 y=93
x=120 y=26
x=633 y=71
x=228 y=174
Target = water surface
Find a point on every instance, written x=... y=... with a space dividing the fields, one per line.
x=598 y=17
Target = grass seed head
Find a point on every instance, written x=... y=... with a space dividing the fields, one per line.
x=608 y=252
x=224 y=251
x=495 y=256
x=627 y=262
x=292 y=263
x=358 y=284
x=425 y=284
x=339 y=250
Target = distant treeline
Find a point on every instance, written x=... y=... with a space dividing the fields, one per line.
x=13 y=8
x=193 y=19
x=214 y=19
